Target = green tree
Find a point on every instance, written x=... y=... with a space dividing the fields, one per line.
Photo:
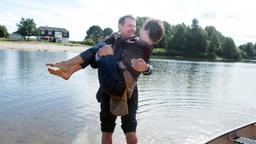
x=214 y=41
x=3 y=31
x=254 y=47
x=222 y=39
x=107 y=31
x=95 y=33
x=214 y=44
x=230 y=51
x=139 y=23
x=196 y=40
x=248 y=50
x=243 y=51
x=177 y=40
x=195 y=24
x=27 y=28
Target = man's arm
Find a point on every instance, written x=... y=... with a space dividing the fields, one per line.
x=88 y=55
x=91 y=56
x=103 y=51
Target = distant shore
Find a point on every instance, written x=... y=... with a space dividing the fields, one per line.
x=70 y=47
x=42 y=46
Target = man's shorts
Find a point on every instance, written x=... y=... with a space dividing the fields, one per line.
x=129 y=122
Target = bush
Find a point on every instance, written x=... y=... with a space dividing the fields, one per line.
x=237 y=54
x=159 y=51
x=75 y=42
x=3 y=32
x=89 y=42
x=212 y=56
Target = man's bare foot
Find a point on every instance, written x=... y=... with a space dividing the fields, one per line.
x=61 y=65
x=59 y=72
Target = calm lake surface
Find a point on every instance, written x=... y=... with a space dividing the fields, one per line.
x=181 y=103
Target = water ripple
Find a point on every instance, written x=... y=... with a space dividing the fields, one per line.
x=182 y=102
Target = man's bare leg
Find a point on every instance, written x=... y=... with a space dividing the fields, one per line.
x=65 y=74
x=106 y=138
x=131 y=138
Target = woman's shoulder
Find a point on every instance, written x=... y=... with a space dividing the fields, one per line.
x=142 y=44
x=112 y=38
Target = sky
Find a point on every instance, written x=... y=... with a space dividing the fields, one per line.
x=233 y=18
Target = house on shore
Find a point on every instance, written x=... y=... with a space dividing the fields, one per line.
x=53 y=34
x=15 y=37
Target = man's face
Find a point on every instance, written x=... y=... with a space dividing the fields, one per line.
x=128 y=29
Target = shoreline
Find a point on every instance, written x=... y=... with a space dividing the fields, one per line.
x=78 y=48
x=41 y=46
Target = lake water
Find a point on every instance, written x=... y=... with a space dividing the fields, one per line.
x=181 y=103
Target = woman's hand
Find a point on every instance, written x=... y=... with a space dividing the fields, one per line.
x=139 y=65
x=105 y=50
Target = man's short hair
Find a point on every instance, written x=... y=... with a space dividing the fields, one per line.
x=155 y=28
x=122 y=19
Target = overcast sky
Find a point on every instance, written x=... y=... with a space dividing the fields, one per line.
x=233 y=18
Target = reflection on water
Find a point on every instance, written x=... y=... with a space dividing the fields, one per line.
x=181 y=103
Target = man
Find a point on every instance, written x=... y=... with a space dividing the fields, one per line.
x=126 y=26
x=127 y=29
x=116 y=75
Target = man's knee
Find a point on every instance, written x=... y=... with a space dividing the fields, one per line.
x=107 y=119
x=129 y=122
x=106 y=138
x=131 y=138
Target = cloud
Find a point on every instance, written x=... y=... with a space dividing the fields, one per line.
x=9 y=19
x=229 y=17
x=209 y=15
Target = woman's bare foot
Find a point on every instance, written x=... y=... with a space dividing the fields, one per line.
x=59 y=72
x=61 y=65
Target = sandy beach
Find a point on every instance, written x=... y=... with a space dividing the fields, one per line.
x=41 y=46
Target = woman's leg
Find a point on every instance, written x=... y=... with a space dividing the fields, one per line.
x=65 y=74
x=83 y=58
x=110 y=76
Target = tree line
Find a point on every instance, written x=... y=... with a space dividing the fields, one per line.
x=190 y=41
x=196 y=42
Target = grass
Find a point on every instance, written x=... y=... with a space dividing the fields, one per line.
x=161 y=53
x=4 y=39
